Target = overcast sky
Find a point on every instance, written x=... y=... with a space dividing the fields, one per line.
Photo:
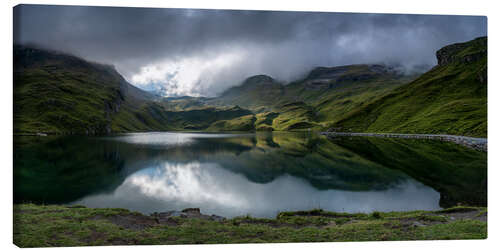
x=203 y=52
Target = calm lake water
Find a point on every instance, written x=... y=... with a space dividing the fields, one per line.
x=238 y=174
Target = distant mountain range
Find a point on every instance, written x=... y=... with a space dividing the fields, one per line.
x=60 y=93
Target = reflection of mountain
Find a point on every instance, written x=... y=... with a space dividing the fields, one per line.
x=266 y=156
x=316 y=160
x=54 y=170
x=457 y=172
x=67 y=168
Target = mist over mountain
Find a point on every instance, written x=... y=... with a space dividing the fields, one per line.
x=59 y=93
x=177 y=52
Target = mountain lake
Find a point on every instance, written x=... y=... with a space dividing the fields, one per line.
x=257 y=174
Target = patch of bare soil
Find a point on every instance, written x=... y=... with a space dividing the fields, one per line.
x=137 y=221
x=129 y=221
x=471 y=215
x=422 y=221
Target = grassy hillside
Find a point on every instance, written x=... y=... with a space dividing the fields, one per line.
x=258 y=92
x=243 y=123
x=203 y=118
x=183 y=103
x=450 y=99
x=295 y=116
x=54 y=92
x=333 y=91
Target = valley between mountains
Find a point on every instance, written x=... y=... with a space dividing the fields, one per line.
x=57 y=93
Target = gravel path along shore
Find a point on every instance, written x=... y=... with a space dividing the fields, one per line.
x=480 y=144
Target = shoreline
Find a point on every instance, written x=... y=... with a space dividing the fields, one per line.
x=56 y=225
x=480 y=144
x=476 y=143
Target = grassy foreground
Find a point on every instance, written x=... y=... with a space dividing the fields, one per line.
x=50 y=226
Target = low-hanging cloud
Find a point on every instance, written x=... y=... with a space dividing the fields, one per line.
x=203 y=52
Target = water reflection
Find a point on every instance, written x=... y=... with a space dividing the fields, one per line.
x=237 y=174
x=219 y=191
x=168 y=138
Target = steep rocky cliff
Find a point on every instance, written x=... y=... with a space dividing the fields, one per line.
x=462 y=52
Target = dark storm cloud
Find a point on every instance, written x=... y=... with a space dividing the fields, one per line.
x=213 y=49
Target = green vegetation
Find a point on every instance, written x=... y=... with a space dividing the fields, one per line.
x=198 y=119
x=264 y=121
x=54 y=226
x=295 y=116
x=313 y=103
x=256 y=93
x=63 y=94
x=55 y=93
x=449 y=99
x=333 y=92
x=242 y=123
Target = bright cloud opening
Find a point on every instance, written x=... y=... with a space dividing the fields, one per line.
x=187 y=76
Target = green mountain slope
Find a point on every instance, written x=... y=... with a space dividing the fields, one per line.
x=315 y=102
x=55 y=92
x=183 y=103
x=450 y=99
x=334 y=91
x=259 y=92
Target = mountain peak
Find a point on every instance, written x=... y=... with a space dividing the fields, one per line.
x=463 y=52
x=258 y=79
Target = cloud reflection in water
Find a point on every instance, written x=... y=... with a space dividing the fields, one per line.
x=167 y=138
x=218 y=191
